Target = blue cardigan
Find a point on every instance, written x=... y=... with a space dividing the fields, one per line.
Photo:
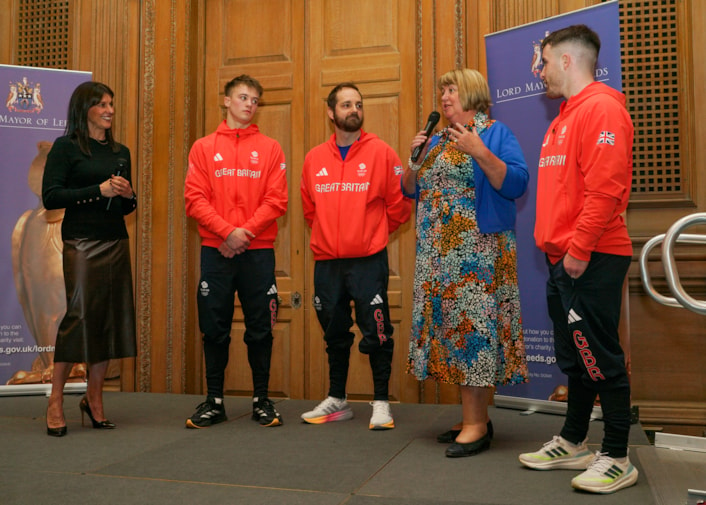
x=495 y=209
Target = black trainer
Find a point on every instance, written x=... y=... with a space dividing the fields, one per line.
x=208 y=413
x=264 y=412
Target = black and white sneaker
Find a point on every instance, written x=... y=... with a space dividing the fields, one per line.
x=264 y=412
x=208 y=413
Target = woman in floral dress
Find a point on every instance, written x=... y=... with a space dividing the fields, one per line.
x=466 y=325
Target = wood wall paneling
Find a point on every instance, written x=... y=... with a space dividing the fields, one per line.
x=665 y=341
x=168 y=61
x=8 y=25
x=335 y=49
x=159 y=93
x=193 y=363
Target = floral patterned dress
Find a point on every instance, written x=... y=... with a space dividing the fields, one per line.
x=466 y=324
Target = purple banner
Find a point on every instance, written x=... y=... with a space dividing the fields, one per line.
x=519 y=100
x=33 y=300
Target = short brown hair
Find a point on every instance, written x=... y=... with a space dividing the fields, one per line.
x=332 y=99
x=580 y=34
x=250 y=82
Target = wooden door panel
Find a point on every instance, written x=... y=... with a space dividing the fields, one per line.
x=238 y=379
x=371 y=44
x=259 y=32
x=360 y=379
x=263 y=47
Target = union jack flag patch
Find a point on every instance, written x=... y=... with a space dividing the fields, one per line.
x=606 y=138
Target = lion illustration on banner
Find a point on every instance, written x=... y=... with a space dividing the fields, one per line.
x=39 y=279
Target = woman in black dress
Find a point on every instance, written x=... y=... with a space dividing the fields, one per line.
x=88 y=174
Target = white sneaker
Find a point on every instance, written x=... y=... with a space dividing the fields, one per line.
x=558 y=453
x=329 y=410
x=382 y=416
x=606 y=475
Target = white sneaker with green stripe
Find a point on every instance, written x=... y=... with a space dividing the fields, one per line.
x=558 y=453
x=606 y=475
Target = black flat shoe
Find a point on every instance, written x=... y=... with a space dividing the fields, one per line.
x=56 y=432
x=450 y=436
x=457 y=450
x=86 y=409
x=447 y=437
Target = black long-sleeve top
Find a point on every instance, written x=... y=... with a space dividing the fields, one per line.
x=72 y=181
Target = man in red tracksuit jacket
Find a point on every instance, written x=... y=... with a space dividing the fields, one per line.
x=352 y=201
x=583 y=188
x=235 y=189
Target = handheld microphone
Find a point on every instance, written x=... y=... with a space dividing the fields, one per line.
x=121 y=167
x=431 y=123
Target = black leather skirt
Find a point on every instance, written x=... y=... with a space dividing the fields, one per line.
x=100 y=314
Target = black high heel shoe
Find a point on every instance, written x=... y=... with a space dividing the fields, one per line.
x=86 y=409
x=55 y=432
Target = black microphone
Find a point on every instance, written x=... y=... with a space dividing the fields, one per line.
x=121 y=168
x=431 y=123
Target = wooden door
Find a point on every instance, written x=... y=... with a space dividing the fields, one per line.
x=299 y=51
x=265 y=40
x=371 y=43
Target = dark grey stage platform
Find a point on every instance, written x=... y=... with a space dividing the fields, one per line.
x=152 y=459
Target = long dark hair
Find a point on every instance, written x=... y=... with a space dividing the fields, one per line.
x=85 y=96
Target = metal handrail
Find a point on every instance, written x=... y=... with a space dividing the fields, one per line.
x=669 y=239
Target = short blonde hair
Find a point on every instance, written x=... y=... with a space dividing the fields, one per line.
x=473 y=90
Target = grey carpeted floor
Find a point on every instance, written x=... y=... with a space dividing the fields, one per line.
x=152 y=459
